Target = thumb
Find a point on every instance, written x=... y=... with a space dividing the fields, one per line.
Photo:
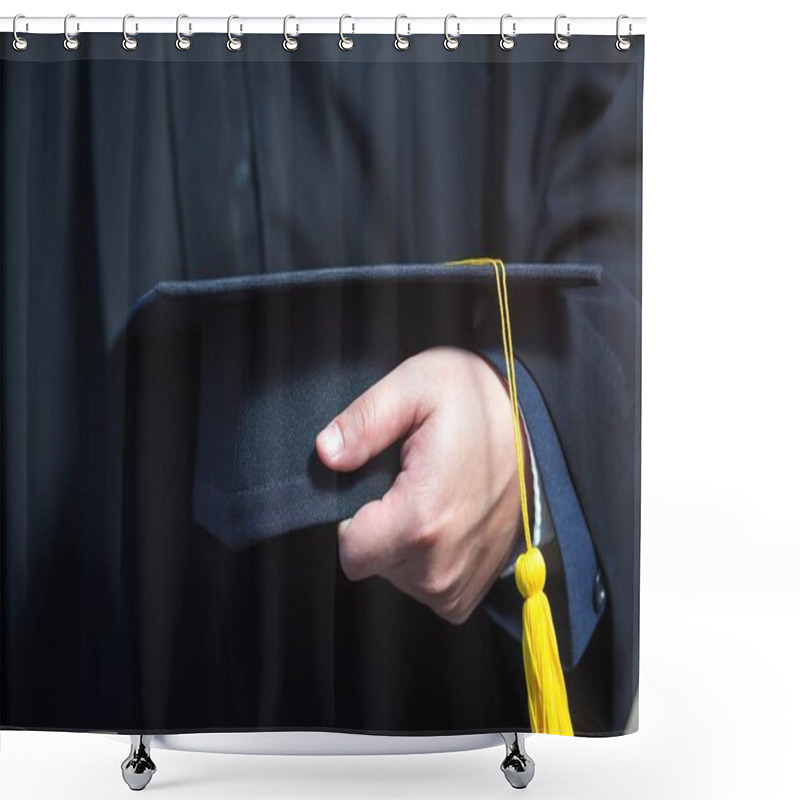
x=373 y=421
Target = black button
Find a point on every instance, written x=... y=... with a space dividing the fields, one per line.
x=599 y=596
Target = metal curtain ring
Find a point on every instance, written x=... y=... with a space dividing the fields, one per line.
x=507 y=42
x=70 y=42
x=560 y=42
x=233 y=43
x=182 y=42
x=451 y=42
x=289 y=43
x=400 y=42
x=128 y=42
x=345 y=42
x=622 y=43
x=20 y=42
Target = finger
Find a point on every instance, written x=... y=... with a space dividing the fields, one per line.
x=373 y=421
x=375 y=539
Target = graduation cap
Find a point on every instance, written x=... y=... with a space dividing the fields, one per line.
x=264 y=362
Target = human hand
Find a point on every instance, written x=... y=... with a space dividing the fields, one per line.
x=447 y=526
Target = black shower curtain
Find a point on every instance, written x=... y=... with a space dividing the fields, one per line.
x=121 y=170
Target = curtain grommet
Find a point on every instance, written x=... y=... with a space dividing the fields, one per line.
x=182 y=42
x=401 y=42
x=128 y=42
x=234 y=44
x=507 y=42
x=561 y=43
x=20 y=43
x=71 y=43
x=451 y=42
x=622 y=44
x=290 y=44
x=345 y=42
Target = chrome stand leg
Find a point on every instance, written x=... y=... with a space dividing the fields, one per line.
x=138 y=768
x=517 y=766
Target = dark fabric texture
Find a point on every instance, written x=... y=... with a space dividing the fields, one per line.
x=120 y=171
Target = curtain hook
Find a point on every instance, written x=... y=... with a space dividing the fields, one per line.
x=451 y=42
x=622 y=44
x=507 y=42
x=182 y=42
x=233 y=43
x=70 y=42
x=289 y=43
x=560 y=42
x=401 y=42
x=20 y=42
x=345 y=42
x=128 y=42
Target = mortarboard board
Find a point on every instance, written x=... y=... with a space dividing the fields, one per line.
x=280 y=354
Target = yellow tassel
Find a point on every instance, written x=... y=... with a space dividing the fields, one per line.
x=547 y=695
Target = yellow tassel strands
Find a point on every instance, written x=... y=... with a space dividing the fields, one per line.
x=547 y=695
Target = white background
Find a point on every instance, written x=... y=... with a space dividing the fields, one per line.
x=720 y=565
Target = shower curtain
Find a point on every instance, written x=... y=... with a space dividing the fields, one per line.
x=259 y=471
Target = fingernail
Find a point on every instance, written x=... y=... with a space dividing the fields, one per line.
x=331 y=440
x=344 y=524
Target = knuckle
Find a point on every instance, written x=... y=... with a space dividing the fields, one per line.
x=438 y=585
x=353 y=567
x=424 y=537
x=364 y=413
x=428 y=529
x=352 y=562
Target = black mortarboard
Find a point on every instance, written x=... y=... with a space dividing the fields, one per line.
x=258 y=365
